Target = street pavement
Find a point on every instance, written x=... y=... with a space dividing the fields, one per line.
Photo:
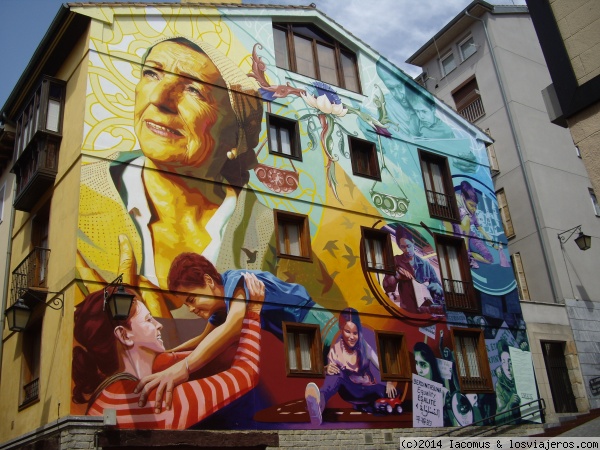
x=588 y=429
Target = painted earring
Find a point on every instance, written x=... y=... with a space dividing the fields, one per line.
x=232 y=154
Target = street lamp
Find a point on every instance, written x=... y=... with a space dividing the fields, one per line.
x=119 y=301
x=583 y=241
x=18 y=313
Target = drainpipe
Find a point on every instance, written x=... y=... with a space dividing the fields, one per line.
x=7 y=270
x=511 y=123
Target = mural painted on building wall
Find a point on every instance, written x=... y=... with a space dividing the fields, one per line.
x=182 y=192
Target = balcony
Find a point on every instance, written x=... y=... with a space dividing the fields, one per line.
x=460 y=295
x=441 y=205
x=473 y=111
x=30 y=276
x=36 y=170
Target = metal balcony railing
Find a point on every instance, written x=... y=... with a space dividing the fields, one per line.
x=440 y=205
x=31 y=391
x=31 y=273
x=473 y=110
x=459 y=295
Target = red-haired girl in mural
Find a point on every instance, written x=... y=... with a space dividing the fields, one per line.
x=111 y=356
x=348 y=371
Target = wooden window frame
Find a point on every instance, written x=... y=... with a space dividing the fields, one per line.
x=521 y=279
x=31 y=360
x=294 y=131
x=283 y=217
x=316 y=352
x=292 y=29
x=36 y=110
x=450 y=211
x=491 y=152
x=359 y=147
x=369 y=234
x=405 y=373
x=505 y=214
x=483 y=383
x=468 y=101
x=455 y=301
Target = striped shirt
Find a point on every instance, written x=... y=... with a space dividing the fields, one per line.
x=193 y=400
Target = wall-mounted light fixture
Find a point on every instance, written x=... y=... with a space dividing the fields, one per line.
x=18 y=314
x=118 y=300
x=583 y=241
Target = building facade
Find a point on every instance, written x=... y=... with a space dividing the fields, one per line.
x=313 y=237
x=569 y=41
x=487 y=64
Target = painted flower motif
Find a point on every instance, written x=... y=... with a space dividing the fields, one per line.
x=327 y=101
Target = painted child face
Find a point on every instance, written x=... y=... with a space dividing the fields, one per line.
x=423 y=367
x=203 y=302
x=350 y=334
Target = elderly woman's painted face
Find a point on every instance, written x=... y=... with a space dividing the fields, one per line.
x=506 y=364
x=145 y=331
x=422 y=366
x=350 y=334
x=182 y=110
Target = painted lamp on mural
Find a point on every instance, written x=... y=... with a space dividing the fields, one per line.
x=277 y=180
x=391 y=205
x=19 y=313
x=119 y=301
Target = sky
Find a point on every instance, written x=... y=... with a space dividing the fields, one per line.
x=394 y=28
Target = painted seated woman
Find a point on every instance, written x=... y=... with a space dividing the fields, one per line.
x=348 y=371
x=111 y=356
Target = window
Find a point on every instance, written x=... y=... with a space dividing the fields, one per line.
x=505 y=214
x=491 y=152
x=594 y=200
x=467 y=47
x=293 y=235
x=363 y=155
x=283 y=136
x=468 y=100
x=520 y=276
x=307 y=50
x=438 y=186
x=471 y=361
x=448 y=63
x=456 y=274
x=303 y=349
x=30 y=366
x=394 y=362
x=378 y=250
x=43 y=113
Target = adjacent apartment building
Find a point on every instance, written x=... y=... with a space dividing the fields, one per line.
x=312 y=235
x=487 y=64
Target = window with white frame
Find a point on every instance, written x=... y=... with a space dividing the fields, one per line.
x=448 y=63
x=594 y=200
x=467 y=47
